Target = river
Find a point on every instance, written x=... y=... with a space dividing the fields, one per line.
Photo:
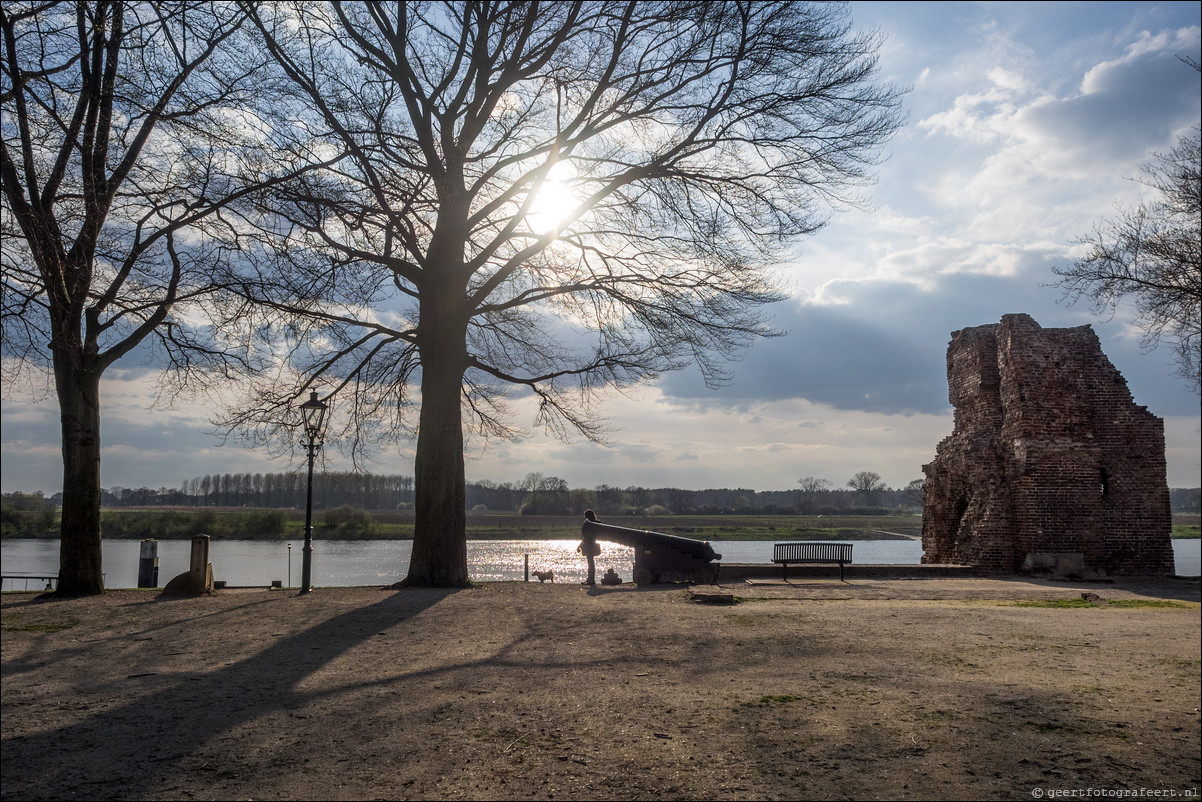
x=349 y=563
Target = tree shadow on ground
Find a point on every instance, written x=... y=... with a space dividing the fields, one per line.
x=80 y=758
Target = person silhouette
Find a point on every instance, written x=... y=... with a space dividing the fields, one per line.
x=590 y=549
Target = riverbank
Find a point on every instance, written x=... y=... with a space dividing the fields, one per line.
x=870 y=688
x=376 y=563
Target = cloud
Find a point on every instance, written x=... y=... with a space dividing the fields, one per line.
x=1121 y=109
x=881 y=345
x=1125 y=107
x=668 y=441
x=832 y=355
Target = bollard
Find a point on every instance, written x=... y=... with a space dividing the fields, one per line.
x=200 y=570
x=148 y=564
x=198 y=579
x=527 y=562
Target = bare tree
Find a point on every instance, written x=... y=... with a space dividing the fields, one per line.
x=548 y=197
x=532 y=483
x=126 y=129
x=866 y=483
x=812 y=484
x=812 y=491
x=1152 y=256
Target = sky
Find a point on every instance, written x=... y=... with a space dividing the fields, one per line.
x=1026 y=124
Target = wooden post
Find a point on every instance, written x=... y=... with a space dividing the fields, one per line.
x=200 y=570
x=198 y=579
x=148 y=564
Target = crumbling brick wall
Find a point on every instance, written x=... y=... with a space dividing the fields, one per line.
x=1049 y=455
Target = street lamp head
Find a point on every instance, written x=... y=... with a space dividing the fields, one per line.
x=315 y=413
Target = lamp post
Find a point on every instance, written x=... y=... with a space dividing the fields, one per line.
x=314 y=412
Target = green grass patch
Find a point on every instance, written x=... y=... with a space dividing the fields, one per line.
x=1092 y=689
x=1181 y=663
x=44 y=626
x=1154 y=603
x=1071 y=728
x=1055 y=604
x=777 y=528
x=1187 y=532
x=770 y=701
x=1065 y=604
x=346 y=523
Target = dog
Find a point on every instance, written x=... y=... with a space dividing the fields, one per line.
x=545 y=576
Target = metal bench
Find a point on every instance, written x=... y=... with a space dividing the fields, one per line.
x=797 y=553
x=51 y=580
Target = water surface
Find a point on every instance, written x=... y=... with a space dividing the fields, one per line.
x=349 y=563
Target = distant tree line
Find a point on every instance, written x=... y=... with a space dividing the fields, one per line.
x=1186 y=499
x=272 y=491
x=344 y=498
x=27 y=515
x=535 y=494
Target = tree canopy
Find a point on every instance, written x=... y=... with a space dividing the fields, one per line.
x=543 y=199
x=124 y=145
x=427 y=209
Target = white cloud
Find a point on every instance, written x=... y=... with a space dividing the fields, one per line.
x=979 y=117
x=759 y=445
x=1103 y=77
x=1009 y=80
x=1125 y=108
x=18 y=416
x=1181 y=435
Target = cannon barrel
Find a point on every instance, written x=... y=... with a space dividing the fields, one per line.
x=644 y=538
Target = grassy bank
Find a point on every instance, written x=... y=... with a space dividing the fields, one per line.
x=346 y=523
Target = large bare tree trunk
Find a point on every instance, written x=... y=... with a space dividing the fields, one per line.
x=439 y=556
x=80 y=571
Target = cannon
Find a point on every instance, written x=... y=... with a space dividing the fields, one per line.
x=658 y=557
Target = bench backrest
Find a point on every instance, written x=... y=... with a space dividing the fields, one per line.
x=812 y=552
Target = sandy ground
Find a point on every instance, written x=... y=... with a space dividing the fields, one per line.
x=816 y=689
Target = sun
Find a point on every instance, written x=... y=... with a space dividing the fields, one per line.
x=553 y=204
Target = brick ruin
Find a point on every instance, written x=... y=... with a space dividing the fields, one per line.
x=1051 y=465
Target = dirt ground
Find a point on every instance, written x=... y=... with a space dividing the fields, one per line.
x=816 y=689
